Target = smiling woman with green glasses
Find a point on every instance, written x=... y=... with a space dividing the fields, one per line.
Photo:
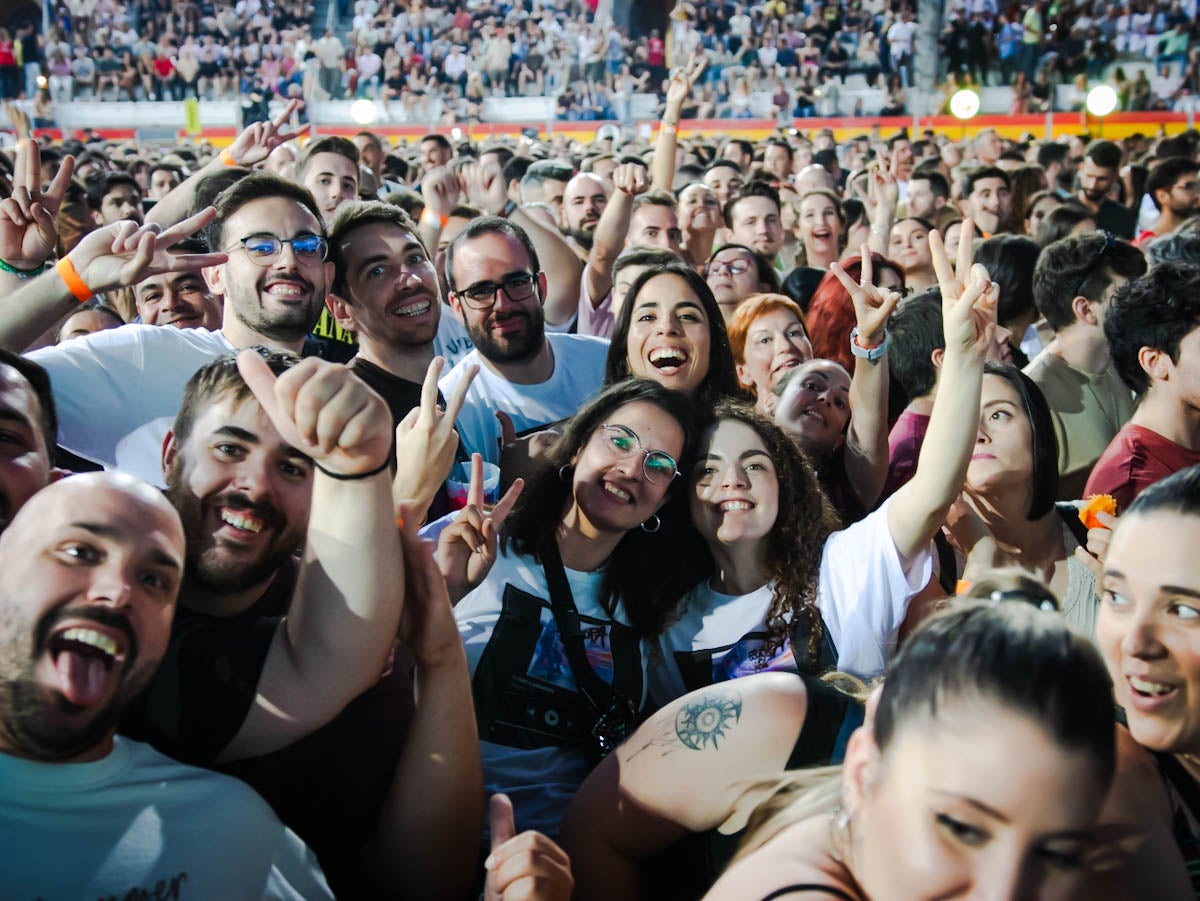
x=553 y=633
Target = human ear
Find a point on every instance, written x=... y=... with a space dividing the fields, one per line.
x=341 y=311
x=859 y=768
x=170 y=452
x=1155 y=363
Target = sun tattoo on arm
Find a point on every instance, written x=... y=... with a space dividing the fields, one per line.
x=702 y=721
x=708 y=719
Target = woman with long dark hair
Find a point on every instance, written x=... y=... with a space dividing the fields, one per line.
x=785 y=589
x=554 y=631
x=671 y=331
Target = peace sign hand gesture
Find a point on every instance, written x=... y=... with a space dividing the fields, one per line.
x=28 y=233
x=256 y=142
x=682 y=82
x=970 y=298
x=123 y=254
x=467 y=548
x=426 y=441
x=872 y=307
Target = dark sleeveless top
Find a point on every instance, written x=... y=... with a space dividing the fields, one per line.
x=1184 y=796
x=688 y=868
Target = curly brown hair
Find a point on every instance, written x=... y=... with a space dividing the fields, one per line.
x=797 y=541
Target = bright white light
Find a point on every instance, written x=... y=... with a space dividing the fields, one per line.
x=1101 y=100
x=363 y=111
x=964 y=104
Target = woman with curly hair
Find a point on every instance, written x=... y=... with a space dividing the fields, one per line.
x=783 y=588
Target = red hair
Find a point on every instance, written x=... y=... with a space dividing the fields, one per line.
x=831 y=312
x=749 y=309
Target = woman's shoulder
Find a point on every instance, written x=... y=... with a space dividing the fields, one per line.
x=795 y=864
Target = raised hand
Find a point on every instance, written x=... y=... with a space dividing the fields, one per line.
x=427 y=625
x=324 y=411
x=872 y=307
x=440 y=189
x=683 y=81
x=426 y=441
x=630 y=178
x=969 y=297
x=483 y=184
x=1098 y=539
x=883 y=192
x=123 y=254
x=525 y=867
x=28 y=233
x=467 y=547
x=256 y=142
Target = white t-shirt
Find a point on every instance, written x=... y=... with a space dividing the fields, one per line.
x=900 y=37
x=862 y=593
x=117 y=392
x=578 y=374
x=138 y=824
x=541 y=780
x=452 y=341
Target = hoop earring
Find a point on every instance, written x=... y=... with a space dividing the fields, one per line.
x=564 y=473
x=839 y=832
x=657 y=524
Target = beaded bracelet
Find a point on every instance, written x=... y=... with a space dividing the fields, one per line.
x=24 y=273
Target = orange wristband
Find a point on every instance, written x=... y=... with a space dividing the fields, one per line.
x=75 y=284
x=428 y=215
x=962 y=586
x=227 y=158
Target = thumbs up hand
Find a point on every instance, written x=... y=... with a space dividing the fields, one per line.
x=324 y=411
x=524 y=867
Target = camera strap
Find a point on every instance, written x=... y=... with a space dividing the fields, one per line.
x=615 y=713
x=595 y=690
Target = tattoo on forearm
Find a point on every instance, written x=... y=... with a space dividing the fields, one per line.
x=703 y=720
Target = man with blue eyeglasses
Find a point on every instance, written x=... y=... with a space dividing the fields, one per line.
x=117 y=396
x=534 y=378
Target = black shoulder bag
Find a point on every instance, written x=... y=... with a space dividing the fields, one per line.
x=615 y=714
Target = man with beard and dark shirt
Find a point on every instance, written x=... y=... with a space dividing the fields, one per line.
x=274 y=668
x=1097 y=175
x=497 y=286
x=92 y=569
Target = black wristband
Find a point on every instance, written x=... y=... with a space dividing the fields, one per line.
x=349 y=477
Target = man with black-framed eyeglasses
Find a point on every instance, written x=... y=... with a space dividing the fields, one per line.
x=498 y=289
